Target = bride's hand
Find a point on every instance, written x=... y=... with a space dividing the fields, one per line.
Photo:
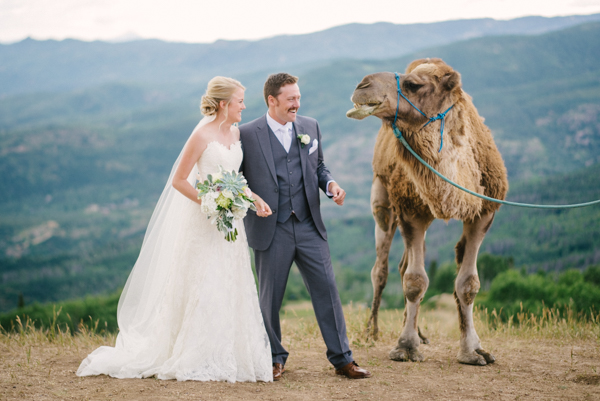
x=262 y=208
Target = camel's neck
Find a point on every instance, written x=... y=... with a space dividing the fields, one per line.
x=426 y=142
x=455 y=161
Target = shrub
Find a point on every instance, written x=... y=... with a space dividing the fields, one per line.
x=96 y=313
x=444 y=279
x=592 y=275
x=489 y=266
x=512 y=291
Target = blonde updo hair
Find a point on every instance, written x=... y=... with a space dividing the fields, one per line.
x=219 y=89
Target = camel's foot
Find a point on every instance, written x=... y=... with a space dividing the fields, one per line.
x=403 y=354
x=424 y=340
x=478 y=357
x=489 y=358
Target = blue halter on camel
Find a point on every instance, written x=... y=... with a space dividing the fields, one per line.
x=441 y=116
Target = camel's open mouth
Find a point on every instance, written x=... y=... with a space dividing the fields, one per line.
x=361 y=111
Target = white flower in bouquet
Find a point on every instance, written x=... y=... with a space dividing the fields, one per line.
x=239 y=212
x=228 y=194
x=209 y=206
x=225 y=198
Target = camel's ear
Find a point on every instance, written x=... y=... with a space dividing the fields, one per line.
x=451 y=81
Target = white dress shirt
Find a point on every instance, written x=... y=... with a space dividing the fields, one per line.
x=284 y=134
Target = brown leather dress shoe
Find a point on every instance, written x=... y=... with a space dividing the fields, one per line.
x=278 y=370
x=353 y=371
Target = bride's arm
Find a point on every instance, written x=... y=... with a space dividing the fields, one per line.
x=262 y=208
x=191 y=153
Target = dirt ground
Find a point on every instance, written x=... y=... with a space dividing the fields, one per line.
x=526 y=368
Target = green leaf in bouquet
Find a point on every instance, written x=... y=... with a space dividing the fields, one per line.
x=203 y=188
x=233 y=181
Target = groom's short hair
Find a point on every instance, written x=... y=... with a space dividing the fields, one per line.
x=275 y=82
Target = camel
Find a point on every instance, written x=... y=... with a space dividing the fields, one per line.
x=407 y=195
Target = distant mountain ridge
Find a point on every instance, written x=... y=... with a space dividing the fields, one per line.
x=37 y=66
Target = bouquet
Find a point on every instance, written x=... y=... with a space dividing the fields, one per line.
x=225 y=198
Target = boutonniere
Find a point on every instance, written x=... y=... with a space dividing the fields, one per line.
x=304 y=140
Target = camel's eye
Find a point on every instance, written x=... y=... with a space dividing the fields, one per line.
x=411 y=86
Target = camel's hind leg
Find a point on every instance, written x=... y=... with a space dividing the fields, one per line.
x=414 y=284
x=385 y=227
x=467 y=287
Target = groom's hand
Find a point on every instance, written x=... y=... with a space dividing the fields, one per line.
x=338 y=193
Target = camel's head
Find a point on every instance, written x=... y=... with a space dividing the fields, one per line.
x=430 y=84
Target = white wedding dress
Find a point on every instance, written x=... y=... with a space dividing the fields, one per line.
x=189 y=310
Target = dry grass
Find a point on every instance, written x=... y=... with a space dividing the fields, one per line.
x=552 y=357
x=551 y=325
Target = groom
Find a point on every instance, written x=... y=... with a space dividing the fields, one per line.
x=283 y=163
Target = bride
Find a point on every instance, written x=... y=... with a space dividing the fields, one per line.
x=189 y=309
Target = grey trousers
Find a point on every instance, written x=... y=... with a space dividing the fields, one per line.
x=300 y=242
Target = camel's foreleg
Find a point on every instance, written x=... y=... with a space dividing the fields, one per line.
x=385 y=227
x=402 y=268
x=414 y=284
x=467 y=287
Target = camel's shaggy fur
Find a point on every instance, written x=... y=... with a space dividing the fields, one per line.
x=406 y=194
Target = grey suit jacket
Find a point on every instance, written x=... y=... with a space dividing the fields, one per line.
x=258 y=167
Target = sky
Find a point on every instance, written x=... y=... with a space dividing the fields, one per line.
x=205 y=21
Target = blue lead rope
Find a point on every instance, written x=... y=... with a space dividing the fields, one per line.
x=441 y=116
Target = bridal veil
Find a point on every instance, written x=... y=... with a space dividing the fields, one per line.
x=144 y=290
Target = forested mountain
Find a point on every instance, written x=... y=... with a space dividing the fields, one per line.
x=34 y=66
x=80 y=169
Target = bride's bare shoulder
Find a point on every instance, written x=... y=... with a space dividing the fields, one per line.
x=202 y=136
x=236 y=132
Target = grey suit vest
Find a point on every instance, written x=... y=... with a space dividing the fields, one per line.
x=292 y=197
